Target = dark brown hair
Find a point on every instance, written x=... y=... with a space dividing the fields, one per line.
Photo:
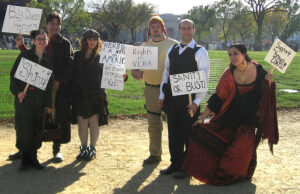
x=54 y=15
x=35 y=33
x=243 y=49
x=84 y=47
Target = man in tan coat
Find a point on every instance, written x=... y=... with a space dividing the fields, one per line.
x=157 y=37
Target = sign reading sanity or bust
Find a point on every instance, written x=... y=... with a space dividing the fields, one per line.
x=112 y=77
x=33 y=74
x=280 y=56
x=21 y=20
x=188 y=83
x=141 y=57
x=112 y=53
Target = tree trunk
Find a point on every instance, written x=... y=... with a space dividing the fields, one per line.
x=257 y=44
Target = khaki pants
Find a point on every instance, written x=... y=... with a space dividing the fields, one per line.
x=154 y=120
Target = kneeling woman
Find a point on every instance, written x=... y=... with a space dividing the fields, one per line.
x=224 y=150
x=30 y=106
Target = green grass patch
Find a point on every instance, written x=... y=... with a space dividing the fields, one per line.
x=131 y=100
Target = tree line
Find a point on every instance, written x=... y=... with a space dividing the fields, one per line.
x=247 y=21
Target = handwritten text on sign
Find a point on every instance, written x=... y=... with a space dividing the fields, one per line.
x=21 y=20
x=140 y=57
x=112 y=53
x=280 y=56
x=188 y=83
x=112 y=77
x=33 y=74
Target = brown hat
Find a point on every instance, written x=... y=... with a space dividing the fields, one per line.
x=90 y=33
x=156 y=19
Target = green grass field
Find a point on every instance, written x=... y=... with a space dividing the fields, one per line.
x=131 y=100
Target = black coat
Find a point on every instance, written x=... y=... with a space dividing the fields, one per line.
x=89 y=98
x=29 y=113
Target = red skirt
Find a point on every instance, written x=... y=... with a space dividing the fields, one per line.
x=221 y=156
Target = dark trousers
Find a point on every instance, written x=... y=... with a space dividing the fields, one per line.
x=63 y=110
x=179 y=130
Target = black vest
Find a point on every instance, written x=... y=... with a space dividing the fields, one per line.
x=183 y=63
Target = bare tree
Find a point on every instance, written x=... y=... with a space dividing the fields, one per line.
x=259 y=9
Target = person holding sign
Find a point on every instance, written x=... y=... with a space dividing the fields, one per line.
x=182 y=58
x=61 y=53
x=30 y=105
x=90 y=103
x=157 y=37
x=223 y=151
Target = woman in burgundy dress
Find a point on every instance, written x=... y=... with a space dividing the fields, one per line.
x=223 y=151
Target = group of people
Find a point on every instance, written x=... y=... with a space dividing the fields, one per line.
x=219 y=152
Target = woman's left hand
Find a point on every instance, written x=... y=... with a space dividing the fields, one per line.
x=269 y=77
x=48 y=110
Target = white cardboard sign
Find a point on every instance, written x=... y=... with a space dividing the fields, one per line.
x=112 y=53
x=188 y=83
x=21 y=20
x=112 y=77
x=33 y=74
x=141 y=57
x=280 y=56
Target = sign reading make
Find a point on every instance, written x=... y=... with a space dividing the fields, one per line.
x=280 y=56
x=21 y=20
x=188 y=83
x=112 y=53
x=33 y=74
x=140 y=57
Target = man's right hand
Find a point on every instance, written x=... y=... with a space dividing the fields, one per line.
x=19 y=40
x=21 y=96
x=137 y=74
x=160 y=103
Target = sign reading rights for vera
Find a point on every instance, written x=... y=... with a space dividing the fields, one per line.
x=112 y=53
x=112 y=77
x=188 y=83
x=21 y=20
x=140 y=57
x=33 y=74
x=280 y=55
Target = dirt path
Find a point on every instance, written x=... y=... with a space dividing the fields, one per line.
x=117 y=169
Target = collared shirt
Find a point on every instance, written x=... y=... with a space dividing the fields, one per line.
x=201 y=57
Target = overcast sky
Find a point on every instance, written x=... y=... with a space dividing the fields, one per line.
x=176 y=6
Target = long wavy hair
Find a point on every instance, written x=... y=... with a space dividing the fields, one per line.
x=84 y=47
x=243 y=49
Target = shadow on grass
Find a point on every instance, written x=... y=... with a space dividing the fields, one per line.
x=48 y=180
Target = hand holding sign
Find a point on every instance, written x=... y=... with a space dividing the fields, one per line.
x=33 y=74
x=279 y=56
x=21 y=20
x=189 y=83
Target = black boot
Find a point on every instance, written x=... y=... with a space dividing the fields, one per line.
x=34 y=163
x=15 y=156
x=57 y=155
x=24 y=162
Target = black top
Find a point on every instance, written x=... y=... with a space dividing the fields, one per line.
x=244 y=107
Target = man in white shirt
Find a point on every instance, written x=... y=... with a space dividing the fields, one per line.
x=184 y=57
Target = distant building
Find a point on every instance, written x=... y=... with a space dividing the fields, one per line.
x=171 y=23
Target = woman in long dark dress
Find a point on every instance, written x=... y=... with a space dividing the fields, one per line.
x=30 y=106
x=223 y=151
